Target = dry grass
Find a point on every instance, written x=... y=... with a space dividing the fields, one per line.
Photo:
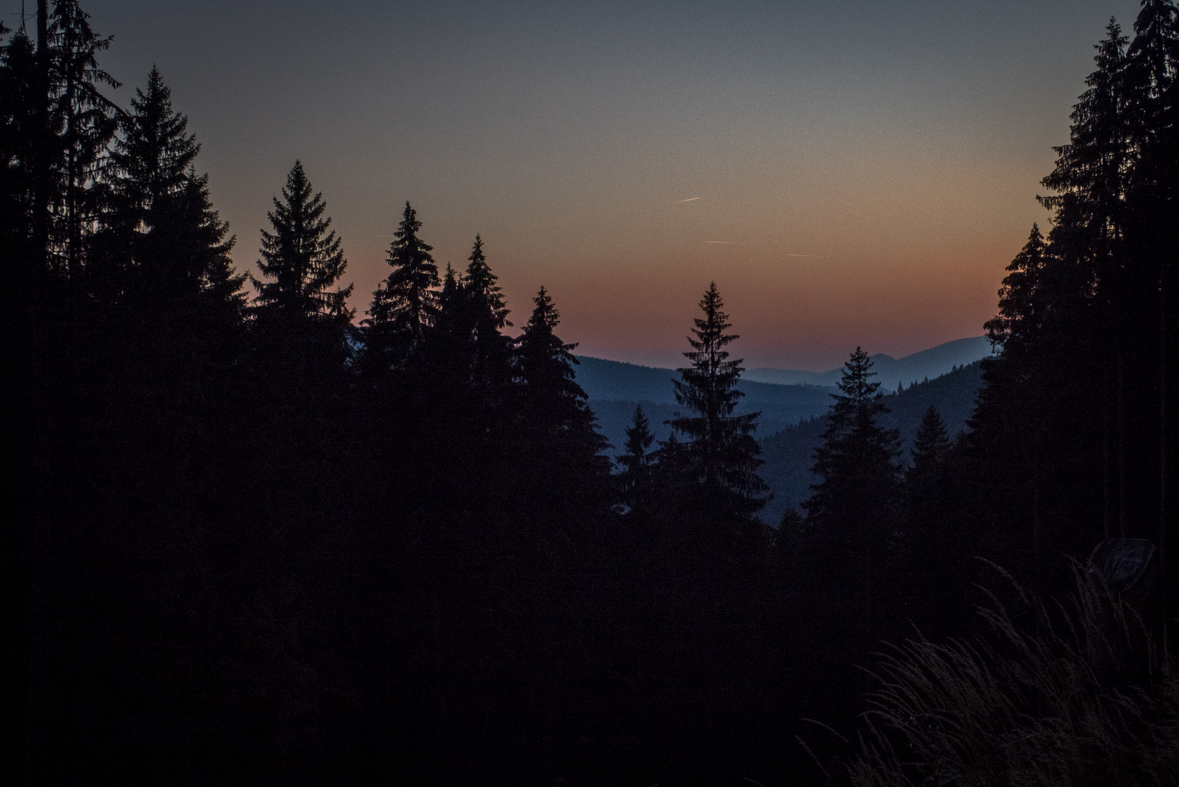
x=1078 y=697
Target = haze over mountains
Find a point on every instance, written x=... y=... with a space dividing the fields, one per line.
x=890 y=371
x=782 y=396
x=789 y=453
x=615 y=389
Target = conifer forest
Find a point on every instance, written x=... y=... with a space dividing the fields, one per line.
x=255 y=537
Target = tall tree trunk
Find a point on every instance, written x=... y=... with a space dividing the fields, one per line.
x=42 y=180
x=39 y=525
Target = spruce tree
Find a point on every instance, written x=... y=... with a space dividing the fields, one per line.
x=931 y=445
x=1072 y=417
x=57 y=127
x=924 y=479
x=303 y=259
x=635 y=478
x=853 y=515
x=1022 y=300
x=856 y=461
x=483 y=290
x=544 y=370
x=450 y=298
x=719 y=447
x=81 y=124
x=19 y=140
x=937 y=541
x=855 y=500
x=488 y=316
x=1153 y=93
x=1088 y=179
x=164 y=240
x=201 y=243
x=152 y=154
x=447 y=340
x=562 y=445
x=1151 y=64
x=406 y=303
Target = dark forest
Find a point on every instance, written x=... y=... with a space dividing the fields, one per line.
x=257 y=538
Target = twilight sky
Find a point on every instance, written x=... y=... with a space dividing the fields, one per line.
x=848 y=171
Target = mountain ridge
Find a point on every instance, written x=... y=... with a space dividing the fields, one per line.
x=890 y=372
x=789 y=453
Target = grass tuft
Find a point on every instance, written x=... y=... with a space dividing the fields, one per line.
x=1079 y=696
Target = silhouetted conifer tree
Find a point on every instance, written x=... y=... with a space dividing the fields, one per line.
x=406 y=304
x=931 y=445
x=1022 y=300
x=856 y=460
x=450 y=297
x=446 y=348
x=854 y=511
x=300 y=347
x=720 y=448
x=164 y=241
x=563 y=447
x=303 y=258
x=1152 y=70
x=635 y=479
x=488 y=316
x=81 y=123
x=19 y=142
x=483 y=289
x=1089 y=175
x=1151 y=67
x=935 y=537
x=1073 y=415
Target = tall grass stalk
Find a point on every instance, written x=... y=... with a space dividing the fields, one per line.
x=1078 y=696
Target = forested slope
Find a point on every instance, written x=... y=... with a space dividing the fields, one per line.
x=789 y=454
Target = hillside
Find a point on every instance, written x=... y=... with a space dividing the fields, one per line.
x=789 y=453
x=890 y=371
x=615 y=388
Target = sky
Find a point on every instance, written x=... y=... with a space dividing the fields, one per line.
x=849 y=172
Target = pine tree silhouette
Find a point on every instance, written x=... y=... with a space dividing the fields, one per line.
x=80 y=125
x=931 y=445
x=563 y=447
x=406 y=304
x=856 y=460
x=162 y=239
x=719 y=448
x=20 y=141
x=487 y=316
x=303 y=258
x=1022 y=300
x=853 y=512
x=636 y=476
x=1088 y=179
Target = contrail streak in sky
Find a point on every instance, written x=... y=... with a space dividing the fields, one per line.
x=689 y=199
x=726 y=242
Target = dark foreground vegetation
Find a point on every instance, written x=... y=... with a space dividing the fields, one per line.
x=252 y=541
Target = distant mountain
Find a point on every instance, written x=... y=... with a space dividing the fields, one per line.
x=602 y=379
x=890 y=371
x=615 y=388
x=783 y=396
x=614 y=380
x=789 y=454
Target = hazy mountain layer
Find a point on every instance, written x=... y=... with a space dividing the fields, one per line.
x=789 y=454
x=890 y=371
x=782 y=396
x=615 y=388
